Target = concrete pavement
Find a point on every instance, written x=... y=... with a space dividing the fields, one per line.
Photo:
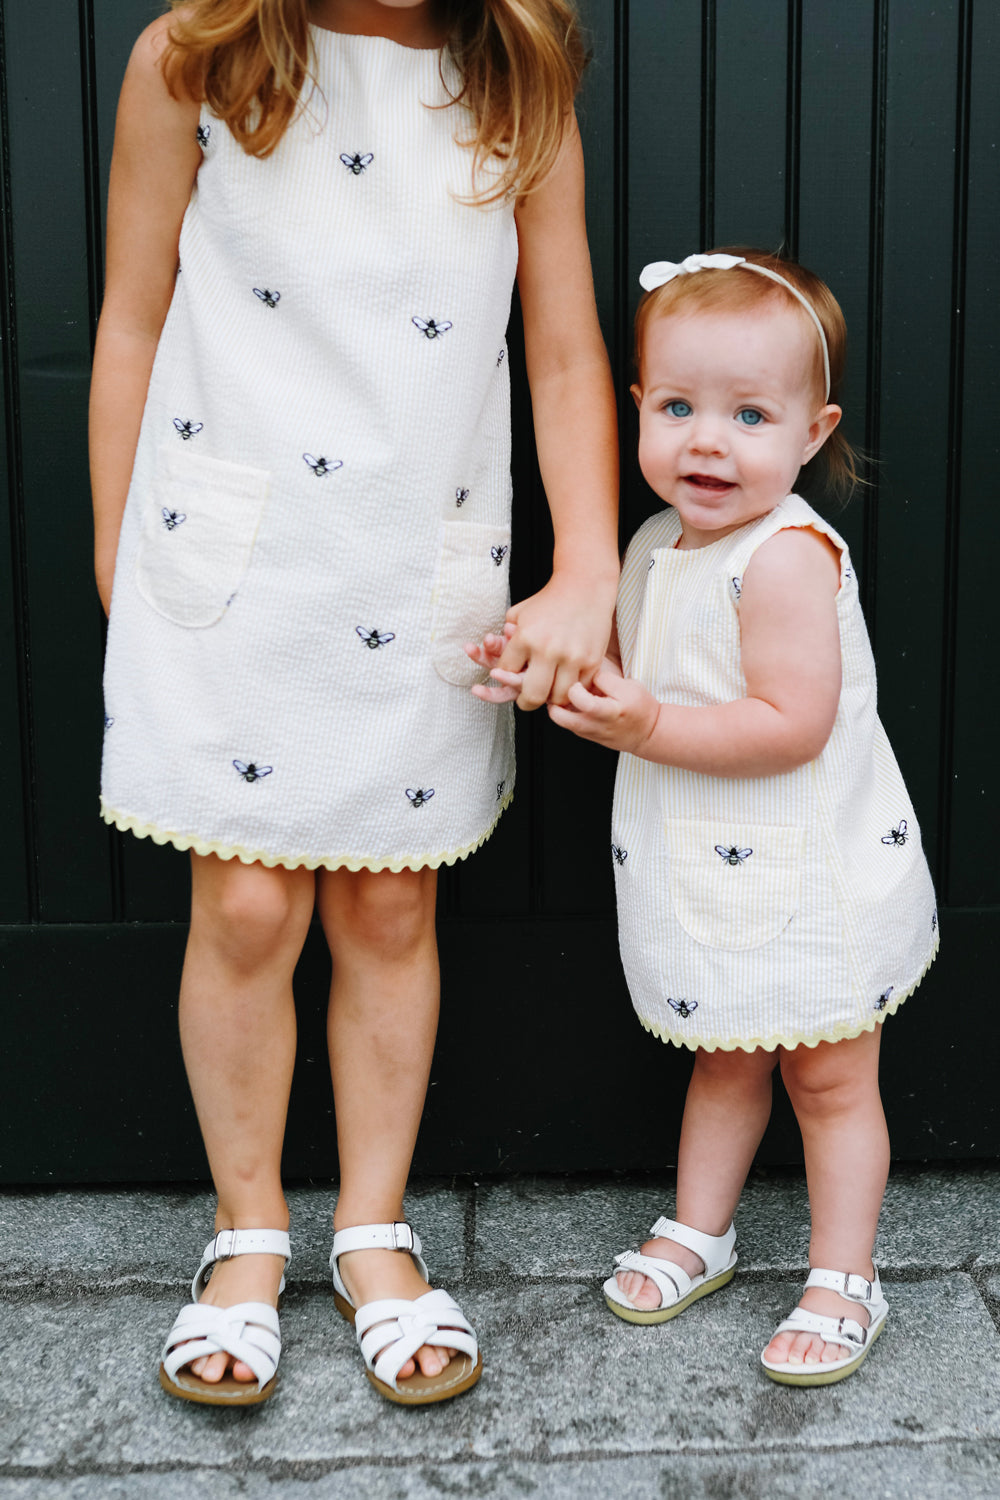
x=573 y=1402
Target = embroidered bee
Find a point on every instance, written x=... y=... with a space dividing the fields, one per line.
x=737 y=586
x=269 y=298
x=372 y=639
x=618 y=854
x=187 y=429
x=498 y=554
x=848 y=573
x=321 y=466
x=252 y=772
x=460 y=497
x=172 y=518
x=430 y=328
x=202 y=134
x=356 y=164
x=501 y=785
x=652 y=564
x=896 y=836
x=500 y=358
x=684 y=1008
x=883 y=999
x=418 y=798
x=108 y=721
x=934 y=920
x=732 y=855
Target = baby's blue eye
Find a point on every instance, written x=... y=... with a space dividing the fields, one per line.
x=678 y=409
x=750 y=417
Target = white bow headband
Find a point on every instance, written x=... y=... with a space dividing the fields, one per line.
x=659 y=272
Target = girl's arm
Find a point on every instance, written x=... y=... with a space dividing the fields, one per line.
x=562 y=631
x=153 y=166
x=790 y=647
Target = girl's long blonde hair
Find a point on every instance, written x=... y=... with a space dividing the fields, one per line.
x=520 y=62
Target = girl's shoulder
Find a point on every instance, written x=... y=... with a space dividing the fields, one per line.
x=787 y=536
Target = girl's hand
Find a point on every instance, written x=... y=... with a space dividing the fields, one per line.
x=618 y=712
x=557 y=637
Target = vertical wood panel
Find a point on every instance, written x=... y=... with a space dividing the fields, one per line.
x=973 y=873
x=50 y=257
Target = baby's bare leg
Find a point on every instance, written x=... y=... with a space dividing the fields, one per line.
x=834 y=1092
x=725 y=1114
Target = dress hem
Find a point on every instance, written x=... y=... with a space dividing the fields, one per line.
x=841 y=1033
x=127 y=823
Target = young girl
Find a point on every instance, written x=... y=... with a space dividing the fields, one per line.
x=302 y=490
x=774 y=902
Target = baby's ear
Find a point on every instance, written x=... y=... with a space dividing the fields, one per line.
x=820 y=428
x=636 y=394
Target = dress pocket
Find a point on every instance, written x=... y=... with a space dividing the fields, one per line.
x=471 y=595
x=733 y=885
x=198 y=533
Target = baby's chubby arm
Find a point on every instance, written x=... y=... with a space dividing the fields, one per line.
x=790 y=645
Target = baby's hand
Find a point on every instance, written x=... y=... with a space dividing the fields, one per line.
x=507 y=685
x=618 y=712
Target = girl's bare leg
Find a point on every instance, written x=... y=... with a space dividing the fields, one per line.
x=725 y=1114
x=237 y=1023
x=382 y=1024
x=834 y=1092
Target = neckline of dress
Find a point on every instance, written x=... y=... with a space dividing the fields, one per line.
x=357 y=36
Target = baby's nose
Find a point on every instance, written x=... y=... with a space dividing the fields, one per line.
x=707 y=434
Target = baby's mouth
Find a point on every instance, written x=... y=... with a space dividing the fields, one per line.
x=708 y=482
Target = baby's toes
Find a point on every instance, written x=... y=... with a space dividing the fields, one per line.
x=640 y=1290
x=832 y=1352
x=777 y=1349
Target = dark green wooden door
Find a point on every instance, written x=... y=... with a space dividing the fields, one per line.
x=859 y=136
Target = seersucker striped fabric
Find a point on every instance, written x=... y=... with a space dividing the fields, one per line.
x=765 y=912
x=319 y=513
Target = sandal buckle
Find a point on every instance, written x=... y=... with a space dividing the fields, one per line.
x=850 y=1276
x=850 y=1337
x=403 y=1236
x=224 y=1245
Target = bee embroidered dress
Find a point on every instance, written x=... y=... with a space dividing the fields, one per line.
x=771 y=911
x=319 y=513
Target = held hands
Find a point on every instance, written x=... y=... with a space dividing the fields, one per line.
x=550 y=641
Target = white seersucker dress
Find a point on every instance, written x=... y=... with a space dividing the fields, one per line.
x=319 y=513
x=784 y=910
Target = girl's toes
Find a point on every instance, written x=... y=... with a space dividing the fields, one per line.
x=431 y=1360
x=639 y=1290
x=242 y=1371
x=813 y=1352
x=213 y=1368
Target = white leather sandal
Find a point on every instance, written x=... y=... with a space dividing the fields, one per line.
x=677 y=1289
x=392 y=1329
x=852 y=1335
x=248 y=1331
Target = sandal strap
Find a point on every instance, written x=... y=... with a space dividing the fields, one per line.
x=848 y=1284
x=398 y=1236
x=249 y=1331
x=391 y=1330
x=229 y=1243
x=830 y=1330
x=715 y=1250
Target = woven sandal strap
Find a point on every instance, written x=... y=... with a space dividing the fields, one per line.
x=671 y=1281
x=715 y=1250
x=855 y=1288
x=248 y=1331
x=830 y=1330
x=390 y=1331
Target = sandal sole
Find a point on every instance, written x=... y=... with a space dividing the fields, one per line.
x=782 y=1377
x=226 y=1392
x=664 y=1314
x=431 y=1388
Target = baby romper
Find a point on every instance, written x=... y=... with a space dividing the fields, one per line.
x=319 y=513
x=759 y=912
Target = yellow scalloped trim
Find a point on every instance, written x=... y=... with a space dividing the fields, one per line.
x=841 y=1033
x=127 y=823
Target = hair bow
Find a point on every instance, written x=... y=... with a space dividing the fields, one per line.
x=659 y=272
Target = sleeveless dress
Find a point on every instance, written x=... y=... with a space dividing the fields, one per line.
x=319 y=512
x=763 y=912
